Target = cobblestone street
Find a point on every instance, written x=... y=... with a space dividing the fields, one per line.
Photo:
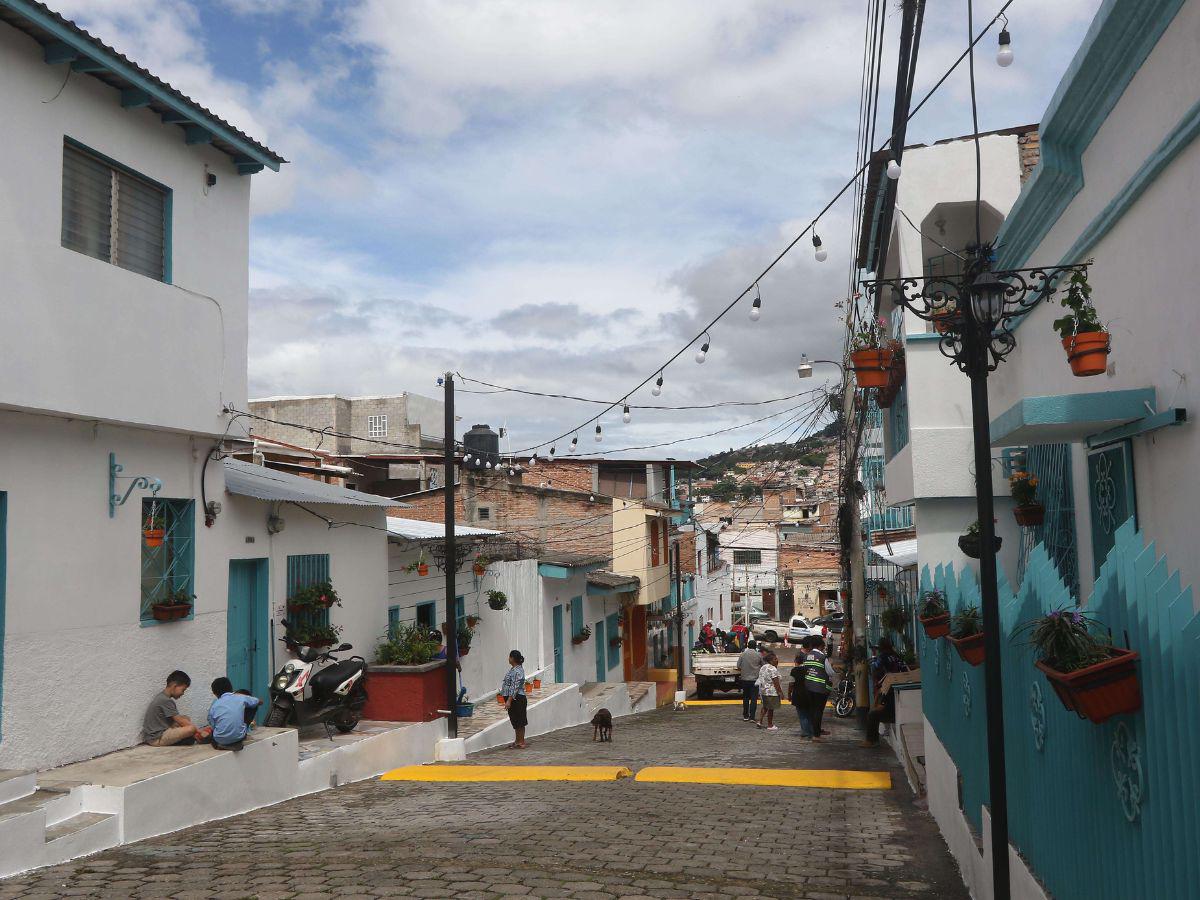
x=589 y=840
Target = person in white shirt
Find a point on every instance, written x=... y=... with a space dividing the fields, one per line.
x=769 y=690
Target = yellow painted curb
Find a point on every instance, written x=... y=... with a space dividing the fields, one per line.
x=812 y=778
x=506 y=773
x=731 y=703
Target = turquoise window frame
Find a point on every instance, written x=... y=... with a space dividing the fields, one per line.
x=428 y=608
x=576 y=616
x=1104 y=538
x=460 y=609
x=393 y=622
x=168 y=206
x=172 y=565
x=614 y=630
x=304 y=569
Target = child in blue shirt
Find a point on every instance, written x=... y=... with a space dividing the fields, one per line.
x=230 y=715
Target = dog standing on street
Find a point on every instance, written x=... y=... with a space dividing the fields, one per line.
x=602 y=725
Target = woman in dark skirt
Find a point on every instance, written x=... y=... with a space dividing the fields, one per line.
x=512 y=689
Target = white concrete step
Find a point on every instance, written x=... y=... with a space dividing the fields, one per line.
x=15 y=783
x=81 y=835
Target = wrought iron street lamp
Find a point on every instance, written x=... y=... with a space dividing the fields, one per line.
x=975 y=314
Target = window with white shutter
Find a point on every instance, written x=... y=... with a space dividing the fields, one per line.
x=377 y=426
x=112 y=214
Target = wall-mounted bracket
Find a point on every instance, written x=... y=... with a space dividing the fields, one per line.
x=147 y=482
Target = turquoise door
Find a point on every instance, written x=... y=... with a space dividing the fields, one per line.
x=558 y=643
x=1111 y=496
x=601 y=645
x=3 y=577
x=247 y=644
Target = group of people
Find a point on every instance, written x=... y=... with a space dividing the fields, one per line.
x=230 y=716
x=717 y=640
x=811 y=684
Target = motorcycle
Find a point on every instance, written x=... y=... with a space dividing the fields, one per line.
x=336 y=692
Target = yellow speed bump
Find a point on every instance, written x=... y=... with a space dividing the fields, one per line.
x=728 y=703
x=507 y=773
x=810 y=778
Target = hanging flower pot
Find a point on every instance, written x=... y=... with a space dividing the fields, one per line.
x=154 y=536
x=472 y=621
x=422 y=569
x=1030 y=516
x=497 y=600
x=500 y=699
x=872 y=367
x=479 y=569
x=970 y=648
x=935 y=626
x=528 y=688
x=945 y=320
x=1087 y=352
x=971 y=545
x=537 y=684
x=1101 y=691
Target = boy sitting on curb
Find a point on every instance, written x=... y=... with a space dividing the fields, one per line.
x=230 y=715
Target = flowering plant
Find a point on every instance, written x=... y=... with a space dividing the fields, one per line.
x=1023 y=487
x=315 y=596
x=1066 y=640
x=933 y=603
x=869 y=335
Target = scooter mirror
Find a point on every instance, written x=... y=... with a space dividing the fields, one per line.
x=344 y=648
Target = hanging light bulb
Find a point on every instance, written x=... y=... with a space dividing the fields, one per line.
x=574 y=443
x=599 y=434
x=467 y=458
x=703 y=351
x=1004 y=55
x=657 y=389
x=533 y=459
x=592 y=498
x=756 y=306
x=489 y=464
x=512 y=471
x=552 y=449
x=893 y=169
x=818 y=251
x=626 y=415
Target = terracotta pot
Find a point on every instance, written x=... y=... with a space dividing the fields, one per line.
x=871 y=367
x=537 y=684
x=970 y=546
x=970 y=648
x=1088 y=352
x=935 y=626
x=169 y=612
x=500 y=699
x=1030 y=515
x=1099 y=692
x=154 y=536
x=478 y=570
x=528 y=688
x=423 y=569
x=945 y=321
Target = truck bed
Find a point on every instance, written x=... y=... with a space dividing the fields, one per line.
x=711 y=664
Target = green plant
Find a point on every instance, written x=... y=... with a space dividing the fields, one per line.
x=966 y=622
x=1023 y=487
x=176 y=596
x=406 y=645
x=910 y=658
x=497 y=599
x=1082 y=317
x=895 y=619
x=1066 y=640
x=320 y=595
x=869 y=335
x=155 y=521
x=464 y=632
x=311 y=635
x=973 y=529
x=933 y=603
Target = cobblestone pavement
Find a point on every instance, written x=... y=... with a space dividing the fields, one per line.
x=539 y=839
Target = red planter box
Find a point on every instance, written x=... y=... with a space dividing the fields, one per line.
x=970 y=648
x=1102 y=691
x=1030 y=516
x=936 y=626
x=406 y=693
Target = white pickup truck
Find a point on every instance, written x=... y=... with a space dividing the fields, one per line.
x=714 y=672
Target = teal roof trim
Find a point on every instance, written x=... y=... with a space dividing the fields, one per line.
x=1069 y=417
x=65 y=42
x=1117 y=43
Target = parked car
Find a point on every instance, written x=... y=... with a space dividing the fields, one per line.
x=769 y=630
x=835 y=622
x=800 y=628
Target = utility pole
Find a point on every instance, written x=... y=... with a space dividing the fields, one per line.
x=678 y=621
x=451 y=560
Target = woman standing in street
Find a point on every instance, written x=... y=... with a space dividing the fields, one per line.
x=769 y=690
x=512 y=689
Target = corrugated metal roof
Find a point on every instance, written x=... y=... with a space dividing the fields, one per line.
x=903 y=553
x=416 y=530
x=612 y=579
x=262 y=483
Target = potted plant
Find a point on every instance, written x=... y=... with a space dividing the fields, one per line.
x=418 y=565
x=894 y=618
x=584 y=633
x=537 y=683
x=154 y=530
x=463 y=634
x=871 y=356
x=970 y=544
x=497 y=600
x=319 y=635
x=933 y=615
x=529 y=687
x=1085 y=339
x=614 y=641
x=407 y=645
x=966 y=634
x=1028 y=512
x=313 y=597
x=480 y=565
x=176 y=605
x=472 y=622
x=1091 y=677
x=945 y=317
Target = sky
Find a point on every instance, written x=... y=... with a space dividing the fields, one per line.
x=557 y=195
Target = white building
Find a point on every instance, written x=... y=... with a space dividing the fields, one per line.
x=752 y=551
x=578 y=597
x=713 y=582
x=124 y=213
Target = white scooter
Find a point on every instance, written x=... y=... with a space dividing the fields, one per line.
x=336 y=693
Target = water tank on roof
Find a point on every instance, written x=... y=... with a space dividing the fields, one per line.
x=483 y=444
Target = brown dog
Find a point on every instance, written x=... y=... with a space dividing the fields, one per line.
x=602 y=725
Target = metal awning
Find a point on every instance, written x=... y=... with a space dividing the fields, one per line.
x=902 y=553
x=1066 y=418
x=261 y=483
x=416 y=530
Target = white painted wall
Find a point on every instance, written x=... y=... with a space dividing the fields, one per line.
x=73 y=583
x=751 y=578
x=1140 y=277
x=83 y=337
x=579 y=660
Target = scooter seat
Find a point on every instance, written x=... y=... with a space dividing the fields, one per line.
x=326 y=681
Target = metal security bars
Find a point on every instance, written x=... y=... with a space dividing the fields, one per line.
x=303 y=570
x=169 y=567
x=1051 y=463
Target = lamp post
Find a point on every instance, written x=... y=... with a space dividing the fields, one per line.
x=976 y=313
